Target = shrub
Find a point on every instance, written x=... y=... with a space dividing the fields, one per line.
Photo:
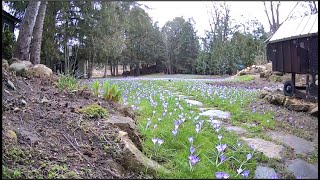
x=94 y=111
x=67 y=82
x=111 y=93
x=7 y=44
x=96 y=88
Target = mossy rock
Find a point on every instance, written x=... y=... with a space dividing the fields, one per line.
x=12 y=135
x=94 y=111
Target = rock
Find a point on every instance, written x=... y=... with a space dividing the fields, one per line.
x=44 y=100
x=16 y=109
x=268 y=148
x=265 y=173
x=242 y=73
x=194 y=102
x=135 y=160
x=269 y=66
x=5 y=64
x=11 y=85
x=12 y=135
x=19 y=68
x=277 y=99
x=216 y=113
x=27 y=136
x=116 y=167
x=23 y=102
x=40 y=70
x=263 y=94
x=300 y=146
x=236 y=129
x=128 y=125
x=299 y=107
x=314 y=111
x=302 y=169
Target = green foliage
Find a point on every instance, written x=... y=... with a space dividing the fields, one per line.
x=94 y=111
x=243 y=78
x=96 y=88
x=67 y=82
x=7 y=44
x=10 y=174
x=112 y=93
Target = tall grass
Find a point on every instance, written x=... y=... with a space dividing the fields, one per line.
x=67 y=82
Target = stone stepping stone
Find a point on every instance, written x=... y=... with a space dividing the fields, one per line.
x=302 y=169
x=300 y=145
x=194 y=102
x=263 y=172
x=204 y=109
x=216 y=113
x=268 y=148
x=236 y=129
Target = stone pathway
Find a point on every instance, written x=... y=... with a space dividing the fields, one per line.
x=268 y=148
x=298 y=167
x=300 y=146
x=302 y=169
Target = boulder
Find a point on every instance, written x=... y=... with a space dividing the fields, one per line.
x=18 y=68
x=128 y=125
x=5 y=64
x=314 y=111
x=135 y=160
x=299 y=107
x=263 y=94
x=40 y=70
x=277 y=99
x=265 y=74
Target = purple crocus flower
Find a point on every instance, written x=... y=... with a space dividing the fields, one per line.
x=190 y=139
x=174 y=132
x=221 y=147
x=245 y=173
x=249 y=156
x=239 y=170
x=239 y=144
x=274 y=176
x=192 y=150
x=160 y=141
x=222 y=158
x=148 y=124
x=193 y=159
x=154 y=140
x=197 y=129
x=222 y=175
x=219 y=136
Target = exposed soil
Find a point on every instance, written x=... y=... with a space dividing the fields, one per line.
x=51 y=139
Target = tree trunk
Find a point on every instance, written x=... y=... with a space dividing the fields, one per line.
x=37 y=34
x=117 y=68
x=105 y=71
x=22 y=45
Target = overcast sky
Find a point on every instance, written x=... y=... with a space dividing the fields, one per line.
x=241 y=11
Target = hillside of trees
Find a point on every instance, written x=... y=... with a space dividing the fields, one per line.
x=113 y=33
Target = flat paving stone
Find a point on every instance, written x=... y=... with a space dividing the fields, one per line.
x=300 y=145
x=302 y=169
x=216 y=113
x=263 y=172
x=238 y=130
x=268 y=148
x=194 y=102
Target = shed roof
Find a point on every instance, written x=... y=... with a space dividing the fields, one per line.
x=296 y=28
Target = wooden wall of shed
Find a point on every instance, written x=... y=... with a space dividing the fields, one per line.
x=288 y=57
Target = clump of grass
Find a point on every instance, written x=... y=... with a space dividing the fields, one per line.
x=96 y=88
x=94 y=111
x=243 y=78
x=112 y=93
x=67 y=82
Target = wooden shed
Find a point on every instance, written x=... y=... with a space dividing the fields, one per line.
x=294 y=49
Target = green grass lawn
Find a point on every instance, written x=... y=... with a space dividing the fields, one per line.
x=161 y=114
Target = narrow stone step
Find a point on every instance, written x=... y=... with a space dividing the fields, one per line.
x=216 y=113
x=194 y=102
x=263 y=172
x=302 y=169
x=236 y=129
x=300 y=145
x=268 y=148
